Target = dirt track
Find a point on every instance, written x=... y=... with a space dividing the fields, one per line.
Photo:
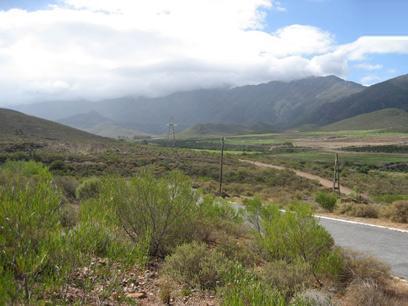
x=324 y=182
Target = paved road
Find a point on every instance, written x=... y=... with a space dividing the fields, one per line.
x=390 y=246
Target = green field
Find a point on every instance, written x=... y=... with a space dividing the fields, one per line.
x=377 y=159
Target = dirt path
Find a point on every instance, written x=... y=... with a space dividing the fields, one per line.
x=324 y=182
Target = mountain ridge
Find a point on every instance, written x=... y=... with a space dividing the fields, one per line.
x=280 y=105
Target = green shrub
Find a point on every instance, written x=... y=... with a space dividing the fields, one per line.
x=326 y=200
x=294 y=236
x=215 y=217
x=163 y=209
x=254 y=210
x=31 y=239
x=29 y=169
x=68 y=186
x=390 y=198
x=194 y=265
x=238 y=250
x=88 y=189
x=68 y=215
x=57 y=165
x=99 y=233
x=244 y=288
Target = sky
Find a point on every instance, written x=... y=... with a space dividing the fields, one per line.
x=96 y=49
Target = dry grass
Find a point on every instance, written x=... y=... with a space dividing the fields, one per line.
x=369 y=293
x=399 y=212
x=363 y=268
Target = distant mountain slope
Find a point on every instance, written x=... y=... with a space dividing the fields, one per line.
x=18 y=126
x=389 y=94
x=97 y=124
x=279 y=104
x=390 y=119
x=84 y=120
x=213 y=129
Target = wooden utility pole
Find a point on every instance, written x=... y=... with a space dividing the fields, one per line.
x=336 y=175
x=221 y=164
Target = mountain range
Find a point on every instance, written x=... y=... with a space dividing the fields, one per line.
x=314 y=101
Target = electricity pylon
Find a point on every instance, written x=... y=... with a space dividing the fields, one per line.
x=171 y=136
x=336 y=175
x=221 y=164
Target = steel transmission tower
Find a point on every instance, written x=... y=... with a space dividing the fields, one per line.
x=221 y=165
x=171 y=136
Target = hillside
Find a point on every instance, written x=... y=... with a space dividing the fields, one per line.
x=279 y=104
x=18 y=126
x=389 y=94
x=213 y=129
x=97 y=124
x=389 y=119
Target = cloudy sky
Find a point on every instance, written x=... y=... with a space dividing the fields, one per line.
x=94 y=49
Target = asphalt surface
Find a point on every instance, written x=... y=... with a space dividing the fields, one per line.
x=388 y=245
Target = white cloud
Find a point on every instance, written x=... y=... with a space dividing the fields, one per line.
x=102 y=48
x=369 y=80
x=368 y=66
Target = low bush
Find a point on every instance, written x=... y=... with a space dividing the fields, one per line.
x=57 y=165
x=312 y=297
x=99 y=234
x=390 y=198
x=368 y=293
x=254 y=210
x=68 y=186
x=216 y=217
x=288 y=278
x=163 y=209
x=68 y=215
x=90 y=188
x=244 y=288
x=31 y=238
x=195 y=266
x=363 y=268
x=326 y=200
x=363 y=211
x=28 y=169
x=240 y=250
x=295 y=236
x=358 y=210
x=399 y=211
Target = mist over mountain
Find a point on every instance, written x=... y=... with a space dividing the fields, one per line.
x=95 y=123
x=280 y=105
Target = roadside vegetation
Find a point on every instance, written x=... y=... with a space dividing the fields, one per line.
x=156 y=238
